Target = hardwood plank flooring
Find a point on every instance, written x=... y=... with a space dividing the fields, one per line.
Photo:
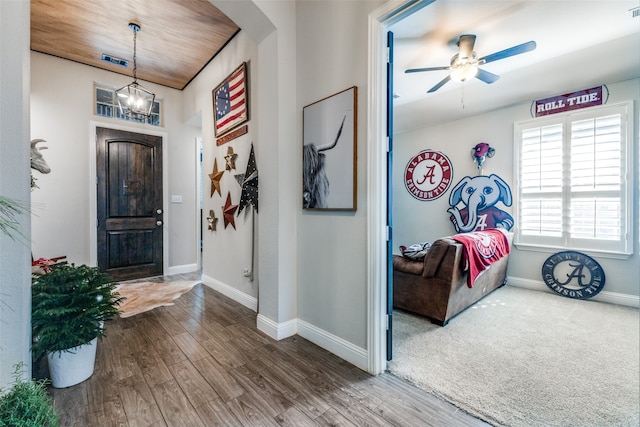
x=202 y=362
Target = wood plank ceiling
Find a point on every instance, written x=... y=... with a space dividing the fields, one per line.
x=177 y=38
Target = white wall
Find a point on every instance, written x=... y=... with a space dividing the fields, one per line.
x=332 y=251
x=227 y=251
x=15 y=269
x=416 y=221
x=61 y=113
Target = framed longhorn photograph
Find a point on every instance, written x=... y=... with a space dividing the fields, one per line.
x=329 y=152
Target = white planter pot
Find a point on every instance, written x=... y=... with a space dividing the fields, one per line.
x=67 y=368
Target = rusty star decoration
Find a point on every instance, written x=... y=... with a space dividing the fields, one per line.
x=249 y=183
x=231 y=159
x=212 y=220
x=227 y=212
x=215 y=177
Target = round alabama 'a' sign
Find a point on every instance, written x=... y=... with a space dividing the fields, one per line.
x=428 y=175
x=573 y=275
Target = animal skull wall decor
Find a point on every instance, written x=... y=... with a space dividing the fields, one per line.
x=37 y=161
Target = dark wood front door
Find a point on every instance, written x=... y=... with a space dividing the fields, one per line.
x=130 y=213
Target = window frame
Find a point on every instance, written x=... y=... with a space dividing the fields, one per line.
x=114 y=105
x=622 y=248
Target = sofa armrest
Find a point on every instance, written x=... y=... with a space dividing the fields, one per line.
x=407 y=265
x=444 y=260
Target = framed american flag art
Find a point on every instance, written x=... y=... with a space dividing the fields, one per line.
x=231 y=101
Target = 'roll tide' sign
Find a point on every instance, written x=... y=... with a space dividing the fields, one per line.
x=569 y=101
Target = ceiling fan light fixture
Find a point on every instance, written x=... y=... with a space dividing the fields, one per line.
x=464 y=72
x=134 y=100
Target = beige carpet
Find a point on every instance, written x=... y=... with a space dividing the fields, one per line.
x=528 y=358
x=144 y=296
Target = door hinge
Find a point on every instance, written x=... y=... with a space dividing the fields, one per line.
x=386 y=320
x=388 y=232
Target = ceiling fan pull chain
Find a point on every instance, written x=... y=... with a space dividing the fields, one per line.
x=462 y=96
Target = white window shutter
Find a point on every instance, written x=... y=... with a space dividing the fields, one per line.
x=572 y=180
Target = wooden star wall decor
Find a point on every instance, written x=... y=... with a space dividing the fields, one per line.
x=227 y=212
x=215 y=177
x=249 y=183
x=230 y=159
x=212 y=220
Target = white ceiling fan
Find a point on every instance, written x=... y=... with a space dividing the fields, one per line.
x=465 y=64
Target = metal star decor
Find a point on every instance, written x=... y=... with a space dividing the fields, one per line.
x=227 y=212
x=231 y=159
x=249 y=183
x=212 y=220
x=215 y=177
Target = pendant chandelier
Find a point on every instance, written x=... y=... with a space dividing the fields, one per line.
x=134 y=100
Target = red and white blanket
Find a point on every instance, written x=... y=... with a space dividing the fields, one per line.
x=481 y=249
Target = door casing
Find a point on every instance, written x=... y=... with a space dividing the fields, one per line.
x=379 y=22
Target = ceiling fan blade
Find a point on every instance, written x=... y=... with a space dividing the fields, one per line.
x=419 y=70
x=486 y=76
x=515 y=50
x=440 y=84
x=465 y=44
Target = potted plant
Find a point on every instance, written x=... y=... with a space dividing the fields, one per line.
x=69 y=307
x=26 y=404
x=10 y=209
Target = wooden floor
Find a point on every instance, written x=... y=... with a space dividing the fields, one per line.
x=202 y=362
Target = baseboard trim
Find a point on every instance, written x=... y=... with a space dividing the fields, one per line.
x=231 y=292
x=353 y=354
x=604 y=296
x=345 y=350
x=277 y=331
x=181 y=269
x=350 y=352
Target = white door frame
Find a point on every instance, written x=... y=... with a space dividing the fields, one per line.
x=199 y=208
x=379 y=21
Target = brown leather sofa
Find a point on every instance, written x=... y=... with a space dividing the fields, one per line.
x=437 y=287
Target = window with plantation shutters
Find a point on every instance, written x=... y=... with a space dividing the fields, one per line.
x=573 y=180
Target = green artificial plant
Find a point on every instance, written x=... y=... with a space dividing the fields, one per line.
x=26 y=404
x=69 y=307
x=10 y=209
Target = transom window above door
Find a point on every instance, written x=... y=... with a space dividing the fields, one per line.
x=106 y=105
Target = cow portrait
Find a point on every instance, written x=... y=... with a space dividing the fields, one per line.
x=315 y=180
